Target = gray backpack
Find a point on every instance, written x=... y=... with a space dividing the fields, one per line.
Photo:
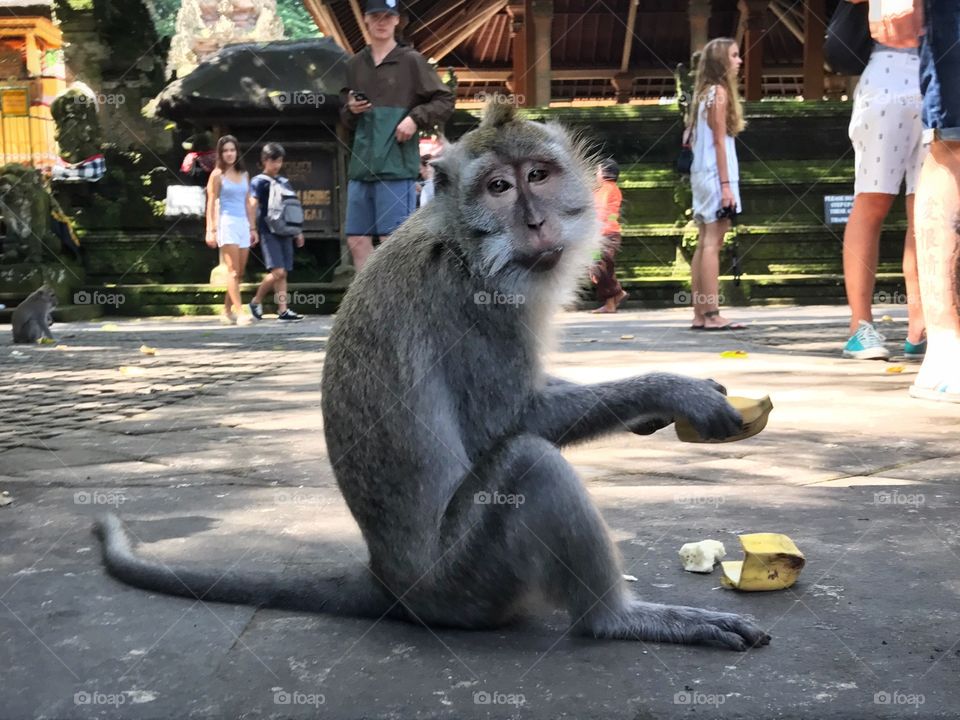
x=284 y=216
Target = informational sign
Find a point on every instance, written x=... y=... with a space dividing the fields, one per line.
x=311 y=172
x=14 y=102
x=836 y=209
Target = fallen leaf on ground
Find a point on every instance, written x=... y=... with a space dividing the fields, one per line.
x=626 y=337
x=736 y=354
x=147 y=350
x=110 y=327
x=886 y=319
x=895 y=369
x=132 y=371
x=47 y=341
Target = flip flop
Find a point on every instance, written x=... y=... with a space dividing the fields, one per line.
x=602 y=311
x=697 y=327
x=728 y=326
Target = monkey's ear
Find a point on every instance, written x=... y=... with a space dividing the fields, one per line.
x=442 y=175
x=497 y=113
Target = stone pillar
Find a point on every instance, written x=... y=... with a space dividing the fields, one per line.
x=752 y=48
x=699 y=24
x=814 y=29
x=541 y=12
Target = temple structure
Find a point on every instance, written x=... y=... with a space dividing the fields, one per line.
x=617 y=51
x=31 y=76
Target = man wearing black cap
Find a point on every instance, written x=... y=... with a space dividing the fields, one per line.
x=392 y=93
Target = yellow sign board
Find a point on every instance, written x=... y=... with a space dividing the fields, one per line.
x=14 y=102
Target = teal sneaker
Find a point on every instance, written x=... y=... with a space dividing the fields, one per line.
x=866 y=344
x=914 y=352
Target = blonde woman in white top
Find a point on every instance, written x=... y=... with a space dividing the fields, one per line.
x=714 y=175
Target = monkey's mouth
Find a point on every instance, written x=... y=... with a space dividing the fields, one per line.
x=541 y=261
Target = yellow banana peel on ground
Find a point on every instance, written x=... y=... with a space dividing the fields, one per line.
x=770 y=562
x=754 y=414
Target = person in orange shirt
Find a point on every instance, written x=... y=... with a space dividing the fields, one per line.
x=607 y=199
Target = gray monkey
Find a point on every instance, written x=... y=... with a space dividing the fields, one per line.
x=31 y=319
x=444 y=430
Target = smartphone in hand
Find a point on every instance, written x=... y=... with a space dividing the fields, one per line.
x=360 y=97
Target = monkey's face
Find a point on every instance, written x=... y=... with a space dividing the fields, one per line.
x=524 y=199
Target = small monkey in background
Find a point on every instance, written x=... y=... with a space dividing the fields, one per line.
x=33 y=317
x=444 y=430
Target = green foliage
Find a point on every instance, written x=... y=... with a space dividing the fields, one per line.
x=297 y=22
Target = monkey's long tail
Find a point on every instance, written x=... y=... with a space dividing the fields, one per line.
x=354 y=593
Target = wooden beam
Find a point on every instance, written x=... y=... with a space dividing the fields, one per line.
x=442 y=45
x=776 y=7
x=751 y=49
x=358 y=16
x=326 y=20
x=437 y=13
x=814 y=28
x=469 y=30
x=628 y=40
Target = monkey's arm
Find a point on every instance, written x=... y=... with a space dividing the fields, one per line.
x=565 y=413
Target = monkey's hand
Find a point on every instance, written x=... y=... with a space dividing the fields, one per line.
x=704 y=404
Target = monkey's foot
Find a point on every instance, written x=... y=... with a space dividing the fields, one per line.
x=679 y=624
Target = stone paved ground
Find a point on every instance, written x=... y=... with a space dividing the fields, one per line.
x=212 y=449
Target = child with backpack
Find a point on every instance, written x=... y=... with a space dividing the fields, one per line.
x=280 y=224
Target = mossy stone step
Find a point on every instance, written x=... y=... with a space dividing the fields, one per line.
x=814 y=289
x=205 y=299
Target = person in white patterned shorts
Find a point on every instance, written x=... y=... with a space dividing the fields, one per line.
x=886 y=131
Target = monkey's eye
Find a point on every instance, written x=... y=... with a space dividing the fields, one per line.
x=537 y=175
x=498 y=186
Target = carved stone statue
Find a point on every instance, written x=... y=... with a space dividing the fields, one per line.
x=205 y=26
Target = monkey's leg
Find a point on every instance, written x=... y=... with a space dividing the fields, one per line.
x=523 y=521
x=356 y=592
x=567 y=413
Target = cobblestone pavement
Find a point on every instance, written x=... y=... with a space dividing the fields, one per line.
x=212 y=449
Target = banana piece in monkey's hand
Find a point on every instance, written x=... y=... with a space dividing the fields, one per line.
x=770 y=562
x=700 y=557
x=754 y=414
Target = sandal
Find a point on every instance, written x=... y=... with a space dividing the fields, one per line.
x=729 y=326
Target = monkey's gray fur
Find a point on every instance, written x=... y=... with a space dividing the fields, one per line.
x=32 y=318
x=443 y=429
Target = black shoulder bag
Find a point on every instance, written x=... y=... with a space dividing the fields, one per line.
x=848 y=44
